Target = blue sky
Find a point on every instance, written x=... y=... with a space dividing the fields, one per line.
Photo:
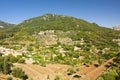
x=103 y=12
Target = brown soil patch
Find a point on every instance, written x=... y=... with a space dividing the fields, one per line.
x=92 y=72
x=37 y=72
x=89 y=72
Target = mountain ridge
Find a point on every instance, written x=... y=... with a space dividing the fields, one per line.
x=60 y=19
x=5 y=24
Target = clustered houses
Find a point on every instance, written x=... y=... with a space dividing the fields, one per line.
x=6 y=51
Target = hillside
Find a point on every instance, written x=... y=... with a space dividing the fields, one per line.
x=5 y=24
x=79 y=28
x=57 y=39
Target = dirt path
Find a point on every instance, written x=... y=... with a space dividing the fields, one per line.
x=98 y=71
x=86 y=70
x=2 y=77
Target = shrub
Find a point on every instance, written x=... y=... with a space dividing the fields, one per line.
x=30 y=48
x=12 y=58
x=21 y=60
x=5 y=65
x=9 y=78
x=30 y=79
x=19 y=73
x=19 y=57
x=48 y=77
x=78 y=69
x=70 y=71
x=57 y=77
x=111 y=74
x=0 y=54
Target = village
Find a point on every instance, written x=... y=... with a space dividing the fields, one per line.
x=7 y=51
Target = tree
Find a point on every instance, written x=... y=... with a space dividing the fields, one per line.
x=57 y=77
x=21 y=60
x=9 y=78
x=118 y=58
x=5 y=65
x=0 y=54
x=12 y=58
x=19 y=73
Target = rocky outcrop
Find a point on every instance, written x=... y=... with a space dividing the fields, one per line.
x=116 y=27
x=1 y=26
x=50 y=37
x=47 y=38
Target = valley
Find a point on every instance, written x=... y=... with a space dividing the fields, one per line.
x=57 y=47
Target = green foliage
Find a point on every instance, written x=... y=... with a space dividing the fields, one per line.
x=12 y=58
x=5 y=65
x=6 y=24
x=0 y=54
x=9 y=78
x=48 y=77
x=30 y=79
x=78 y=29
x=26 y=34
x=118 y=58
x=100 y=78
x=111 y=74
x=29 y=48
x=19 y=57
x=70 y=71
x=57 y=77
x=100 y=61
x=19 y=73
x=68 y=47
x=21 y=60
x=77 y=69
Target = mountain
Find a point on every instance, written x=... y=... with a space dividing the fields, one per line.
x=116 y=27
x=51 y=29
x=78 y=27
x=5 y=24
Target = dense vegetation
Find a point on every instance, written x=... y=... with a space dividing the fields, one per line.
x=113 y=73
x=6 y=64
x=18 y=72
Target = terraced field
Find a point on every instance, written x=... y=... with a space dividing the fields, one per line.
x=92 y=72
x=36 y=72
